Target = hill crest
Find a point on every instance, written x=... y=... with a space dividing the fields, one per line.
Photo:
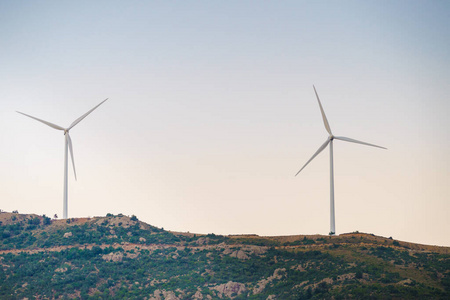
x=120 y=220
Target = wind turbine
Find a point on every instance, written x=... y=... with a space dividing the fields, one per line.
x=68 y=146
x=329 y=140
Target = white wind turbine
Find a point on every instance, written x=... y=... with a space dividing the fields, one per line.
x=329 y=140
x=68 y=145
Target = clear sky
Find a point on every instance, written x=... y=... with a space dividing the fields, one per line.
x=211 y=112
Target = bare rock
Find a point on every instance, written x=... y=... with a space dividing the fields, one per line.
x=405 y=282
x=170 y=295
x=244 y=252
x=346 y=276
x=239 y=254
x=198 y=295
x=298 y=268
x=67 y=234
x=202 y=241
x=163 y=295
x=113 y=256
x=227 y=251
x=142 y=239
x=132 y=255
x=258 y=250
x=314 y=286
x=261 y=285
x=230 y=288
x=328 y=280
x=301 y=284
x=61 y=270
x=156 y=295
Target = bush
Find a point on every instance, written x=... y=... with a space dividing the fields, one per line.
x=34 y=221
x=47 y=220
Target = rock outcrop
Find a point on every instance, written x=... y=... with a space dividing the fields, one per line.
x=230 y=289
x=113 y=256
x=261 y=285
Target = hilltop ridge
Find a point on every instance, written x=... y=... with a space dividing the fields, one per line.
x=118 y=256
x=351 y=238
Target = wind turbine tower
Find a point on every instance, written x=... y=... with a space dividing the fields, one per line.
x=67 y=147
x=330 y=140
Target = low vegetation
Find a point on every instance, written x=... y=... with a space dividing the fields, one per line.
x=116 y=257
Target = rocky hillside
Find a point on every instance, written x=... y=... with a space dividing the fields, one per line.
x=121 y=257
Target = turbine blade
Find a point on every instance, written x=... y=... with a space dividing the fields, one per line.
x=69 y=141
x=42 y=121
x=315 y=154
x=85 y=115
x=357 y=142
x=325 y=121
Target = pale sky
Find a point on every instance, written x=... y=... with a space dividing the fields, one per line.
x=211 y=112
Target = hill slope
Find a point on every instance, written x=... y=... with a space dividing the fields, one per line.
x=121 y=257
